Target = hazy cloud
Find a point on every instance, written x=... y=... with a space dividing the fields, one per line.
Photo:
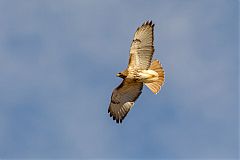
x=58 y=61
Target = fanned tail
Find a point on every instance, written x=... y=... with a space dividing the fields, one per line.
x=156 y=85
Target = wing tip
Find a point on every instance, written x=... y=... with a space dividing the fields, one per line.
x=119 y=121
x=148 y=23
x=115 y=118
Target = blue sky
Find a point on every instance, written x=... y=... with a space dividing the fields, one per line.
x=58 y=61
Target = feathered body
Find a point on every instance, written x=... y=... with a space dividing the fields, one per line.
x=141 y=70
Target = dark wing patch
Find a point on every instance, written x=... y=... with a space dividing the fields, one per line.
x=142 y=48
x=123 y=98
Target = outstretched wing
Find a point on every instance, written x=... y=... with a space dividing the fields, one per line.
x=142 y=48
x=123 y=98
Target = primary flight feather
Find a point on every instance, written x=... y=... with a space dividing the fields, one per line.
x=141 y=70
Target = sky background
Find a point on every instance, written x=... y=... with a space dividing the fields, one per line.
x=58 y=61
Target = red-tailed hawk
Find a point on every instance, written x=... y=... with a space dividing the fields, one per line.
x=141 y=70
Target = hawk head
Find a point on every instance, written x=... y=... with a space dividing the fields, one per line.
x=121 y=75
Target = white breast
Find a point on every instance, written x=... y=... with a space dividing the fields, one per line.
x=148 y=76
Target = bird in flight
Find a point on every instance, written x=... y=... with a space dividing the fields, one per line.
x=141 y=70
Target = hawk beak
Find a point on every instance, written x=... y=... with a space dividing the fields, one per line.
x=118 y=75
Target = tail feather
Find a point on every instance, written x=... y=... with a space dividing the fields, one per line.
x=156 y=85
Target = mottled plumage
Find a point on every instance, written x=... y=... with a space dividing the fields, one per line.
x=141 y=70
